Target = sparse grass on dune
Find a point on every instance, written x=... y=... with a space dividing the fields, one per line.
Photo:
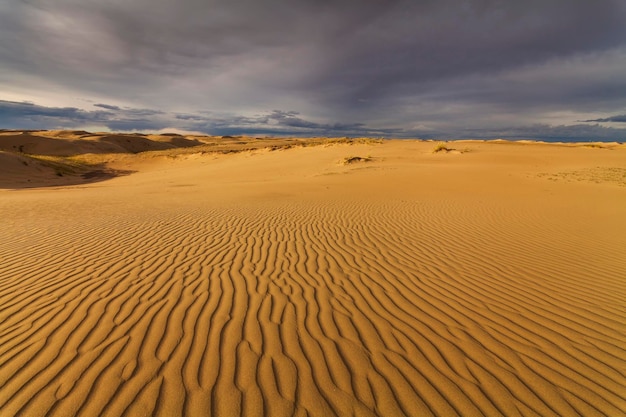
x=354 y=159
x=61 y=165
x=441 y=147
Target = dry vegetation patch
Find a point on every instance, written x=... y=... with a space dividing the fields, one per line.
x=598 y=175
x=442 y=147
x=355 y=159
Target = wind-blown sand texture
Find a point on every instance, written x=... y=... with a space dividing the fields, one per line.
x=243 y=276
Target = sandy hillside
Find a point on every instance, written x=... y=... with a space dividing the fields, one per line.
x=239 y=276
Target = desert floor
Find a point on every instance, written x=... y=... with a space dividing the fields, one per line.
x=144 y=275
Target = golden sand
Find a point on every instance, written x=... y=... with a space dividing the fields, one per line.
x=204 y=276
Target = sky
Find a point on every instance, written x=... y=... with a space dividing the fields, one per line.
x=441 y=69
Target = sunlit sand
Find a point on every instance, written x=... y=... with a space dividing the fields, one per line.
x=171 y=275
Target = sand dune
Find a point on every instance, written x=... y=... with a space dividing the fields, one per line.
x=487 y=281
x=33 y=159
x=68 y=143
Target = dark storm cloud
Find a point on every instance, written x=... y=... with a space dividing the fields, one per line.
x=277 y=122
x=344 y=65
x=29 y=115
x=455 y=39
x=563 y=133
x=107 y=106
x=293 y=120
x=618 y=119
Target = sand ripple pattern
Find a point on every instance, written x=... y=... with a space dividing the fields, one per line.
x=323 y=309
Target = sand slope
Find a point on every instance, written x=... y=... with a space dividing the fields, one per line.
x=488 y=280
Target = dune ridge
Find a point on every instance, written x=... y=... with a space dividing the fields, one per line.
x=418 y=304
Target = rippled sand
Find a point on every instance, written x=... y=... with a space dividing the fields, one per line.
x=339 y=279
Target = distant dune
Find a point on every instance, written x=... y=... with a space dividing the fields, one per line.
x=187 y=275
x=68 y=157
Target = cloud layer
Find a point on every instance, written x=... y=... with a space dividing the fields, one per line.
x=440 y=68
x=274 y=123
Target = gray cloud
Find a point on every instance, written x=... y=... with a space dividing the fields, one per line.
x=107 y=106
x=29 y=115
x=547 y=133
x=433 y=66
x=619 y=119
x=277 y=122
